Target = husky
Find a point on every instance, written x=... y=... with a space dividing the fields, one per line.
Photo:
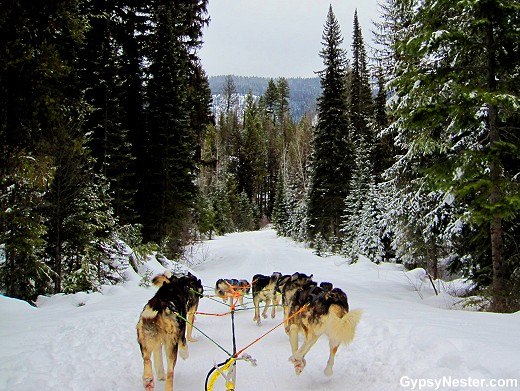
x=196 y=291
x=315 y=310
x=288 y=285
x=265 y=289
x=232 y=288
x=162 y=323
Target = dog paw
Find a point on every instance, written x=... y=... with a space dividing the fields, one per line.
x=299 y=364
x=328 y=371
x=148 y=383
x=264 y=316
x=184 y=353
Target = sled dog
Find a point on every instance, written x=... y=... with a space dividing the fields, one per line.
x=326 y=312
x=288 y=285
x=196 y=291
x=232 y=288
x=161 y=324
x=265 y=289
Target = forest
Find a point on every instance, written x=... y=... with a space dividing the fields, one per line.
x=303 y=95
x=110 y=140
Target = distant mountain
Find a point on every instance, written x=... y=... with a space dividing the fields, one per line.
x=303 y=92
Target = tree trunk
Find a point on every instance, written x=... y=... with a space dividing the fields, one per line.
x=500 y=274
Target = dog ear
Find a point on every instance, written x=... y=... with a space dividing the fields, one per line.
x=295 y=276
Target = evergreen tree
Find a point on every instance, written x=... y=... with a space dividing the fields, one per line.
x=457 y=86
x=272 y=104
x=105 y=85
x=361 y=105
x=384 y=148
x=23 y=273
x=393 y=26
x=49 y=117
x=282 y=110
x=360 y=206
x=254 y=152
x=281 y=212
x=332 y=159
x=168 y=190
x=357 y=203
x=132 y=35
x=271 y=98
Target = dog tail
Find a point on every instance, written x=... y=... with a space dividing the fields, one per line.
x=344 y=328
x=160 y=279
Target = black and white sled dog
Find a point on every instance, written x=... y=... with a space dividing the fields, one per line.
x=326 y=312
x=161 y=324
x=265 y=289
x=232 y=289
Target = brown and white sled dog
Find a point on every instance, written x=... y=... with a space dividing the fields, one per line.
x=161 y=324
x=288 y=285
x=265 y=289
x=327 y=312
x=232 y=289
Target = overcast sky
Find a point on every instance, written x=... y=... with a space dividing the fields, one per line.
x=276 y=38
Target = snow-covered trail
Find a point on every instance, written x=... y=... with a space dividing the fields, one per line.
x=88 y=342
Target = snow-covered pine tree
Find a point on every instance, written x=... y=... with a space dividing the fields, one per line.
x=356 y=203
x=281 y=212
x=457 y=95
x=23 y=272
x=91 y=251
x=360 y=230
x=332 y=158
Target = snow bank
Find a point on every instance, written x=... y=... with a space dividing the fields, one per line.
x=407 y=333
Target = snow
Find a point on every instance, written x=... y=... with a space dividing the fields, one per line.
x=408 y=338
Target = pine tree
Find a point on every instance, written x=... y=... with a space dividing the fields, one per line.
x=48 y=119
x=281 y=213
x=332 y=159
x=272 y=109
x=169 y=190
x=359 y=218
x=271 y=98
x=356 y=204
x=254 y=151
x=282 y=110
x=105 y=84
x=133 y=34
x=361 y=105
x=457 y=87
x=23 y=273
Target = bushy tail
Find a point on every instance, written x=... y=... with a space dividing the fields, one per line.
x=160 y=279
x=344 y=328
